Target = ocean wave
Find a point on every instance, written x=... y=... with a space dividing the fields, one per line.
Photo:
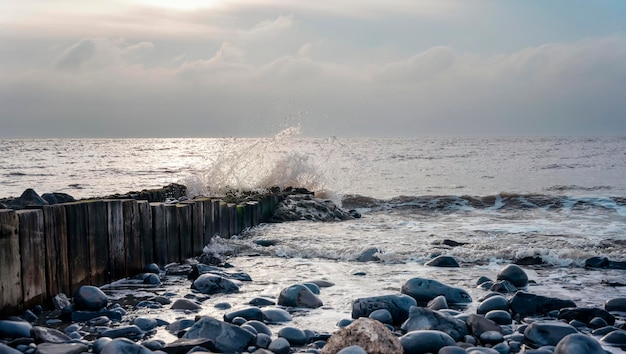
x=502 y=201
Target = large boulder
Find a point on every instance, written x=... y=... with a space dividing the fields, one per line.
x=421 y=318
x=369 y=334
x=214 y=284
x=541 y=333
x=514 y=274
x=577 y=343
x=616 y=305
x=90 y=298
x=398 y=305
x=585 y=315
x=299 y=295
x=524 y=303
x=28 y=200
x=225 y=337
x=14 y=329
x=424 y=290
x=424 y=341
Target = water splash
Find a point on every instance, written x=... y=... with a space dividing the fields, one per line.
x=284 y=160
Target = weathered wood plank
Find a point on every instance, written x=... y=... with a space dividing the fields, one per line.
x=185 y=230
x=224 y=223
x=115 y=228
x=33 y=256
x=241 y=214
x=172 y=233
x=197 y=227
x=55 y=234
x=10 y=269
x=159 y=231
x=78 y=247
x=256 y=213
x=98 y=240
x=132 y=237
x=147 y=242
x=232 y=220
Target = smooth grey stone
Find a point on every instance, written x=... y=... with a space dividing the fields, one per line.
x=100 y=343
x=145 y=324
x=131 y=332
x=238 y=321
x=225 y=336
x=492 y=303
x=482 y=279
x=299 y=295
x=90 y=298
x=491 y=337
x=262 y=340
x=524 y=304
x=162 y=300
x=279 y=346
x=616 y=305
x=353 y=349
x=154 y=344
x=482 y=350
x=276 y=315
x=503 y=287
x=382 y=315
x=425 y=341
x=5 y=349
x=30 y=316
x=502 y=348
x=452 y=349
x=49 y=335
x=604 y=330
x=615 y=338
x=152 y=279
x=313 y=287
x=397 y=305
x=369 y=255
x=293 y=335
x=185 y=304
x=438 y=303
x=214 y=284
x=248 y=313
x=28 y=200
x=322 y=283
x=424 y=290
x=344 y=322
x=260 y=327
x=148 y=304
x=75 y=335
x=422 y=318
x=585 y=315
x=185 y=345
x=443 y=261
x=500 y=317
x=153 y=268
x=84 y=316
x=597 y=322
x=542 y=333
x=65 y=348
x=577 y=343
x=515 y=274
x=124 y=346
x=222 y=306
x=14 y=329
x=261 y=302
x=72 y=328
x=179 y=325
x=249 y=328
x=99 y=321
x=478 y=325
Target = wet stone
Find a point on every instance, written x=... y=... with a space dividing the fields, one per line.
x=577 y=343
x=250 y=313
x=14 y=329
x=542 y=333
x=425 y=341
x=49 y=335
x=90 y=298
x=66 y=348
x=382 y=315
x=293 y=335
x=514 y=274
x=185 y=304
x=279 y=346
x=276 y=315
x=299 y=295
x=493 y=303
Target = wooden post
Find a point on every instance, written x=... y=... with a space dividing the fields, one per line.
x=256 y=213
x=247 y=215
x=117 y=259
x=185 y=230
x=209 y=221
x=232 y=220
x=132 y=238
x=10 y=269
x=241 y=214
x=159 y=230
x=147 y=242
x=33 y=255
x=171 y=231
x=197 y=226
x=55 y=234
x=98 y=241
x=77 y=244
x=223 y=219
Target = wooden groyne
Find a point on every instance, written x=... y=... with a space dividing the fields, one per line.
x=58 y=248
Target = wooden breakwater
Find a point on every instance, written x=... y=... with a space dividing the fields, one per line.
x=58 y=248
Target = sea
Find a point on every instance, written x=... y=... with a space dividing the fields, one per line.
x=561 y=200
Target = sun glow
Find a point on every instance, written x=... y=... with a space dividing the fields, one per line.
x=183 y=5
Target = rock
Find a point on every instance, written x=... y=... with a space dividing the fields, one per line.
x=262 y=340
x=226 y=337
x=491 y=337
x=275 y=315
x=369 y=255
x=84 y=316
x=66 y=348
x=585 y=315
x=293 y=335
x=145 y=324
x=49 y=335
x=353 y=349
x=425 y=341
x=577 y=343
x=130 y=332
x=5 y=349
x=438 y=303
x=260 y=327
x=616 y=305
x=124 y=346
x=185 y=304
x=322 y=283
x=500 y=317
x=28 y=200
x=153 y=268
x=422 y=318
x=397 y=305
x=299 y=295
x=249 y=313
x=56 y=198
x=261 y=302
x=515 y=274
x=542 y=333
x=524 y=303
x=503 y=287
x=279 y=346
x=151 y=278
x=60 y=301
x=478 y=325
x=493 y=303
x=604 y=263
x=452 y=349
x=443 y=261
x=313 y=287
x=369 y=334
x=184 y=345
x=305 y=207
x=424 y=290
x=615 y=338
x=179 y=325
x=382 y=316
x=529 y=260
x=214 y=284
x=14 y=329
x=90 y=298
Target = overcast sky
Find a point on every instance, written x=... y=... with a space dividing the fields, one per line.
x=205 y=68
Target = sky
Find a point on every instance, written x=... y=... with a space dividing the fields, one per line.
x=209 y=68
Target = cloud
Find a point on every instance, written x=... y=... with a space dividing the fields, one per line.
x=98 y=53
x=272 y=27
